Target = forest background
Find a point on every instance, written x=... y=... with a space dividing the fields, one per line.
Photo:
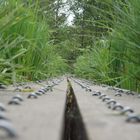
x=93 y=39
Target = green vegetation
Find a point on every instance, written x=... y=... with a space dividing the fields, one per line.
x=26 y=52
x=114 y=57
x=37 y=42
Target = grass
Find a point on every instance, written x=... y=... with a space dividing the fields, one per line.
x=119 y=62
x=26 y=53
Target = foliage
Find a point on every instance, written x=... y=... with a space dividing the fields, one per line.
x=25 y=46
x=94 y=64
x=102 y=43
x=125 y=45
x=122 y=59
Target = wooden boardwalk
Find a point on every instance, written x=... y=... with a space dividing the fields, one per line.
x=102 y=123
x=44 y=118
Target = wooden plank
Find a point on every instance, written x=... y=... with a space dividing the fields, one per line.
x=102 y=123
x=39 y=119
